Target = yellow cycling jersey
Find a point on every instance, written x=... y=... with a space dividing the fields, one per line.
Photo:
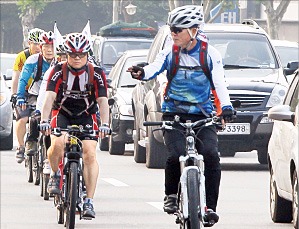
x=19 y=63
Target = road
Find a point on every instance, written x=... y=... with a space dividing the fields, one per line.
x=130 y=196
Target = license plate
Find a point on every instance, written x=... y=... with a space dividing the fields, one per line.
x=235 y=128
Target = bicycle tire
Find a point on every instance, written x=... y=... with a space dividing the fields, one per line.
x=29 y=169
x=72 y=196
x=36 y=169
x=45 y=182
x=193 y=199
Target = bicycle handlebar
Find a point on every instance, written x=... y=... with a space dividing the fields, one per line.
x=73 y=130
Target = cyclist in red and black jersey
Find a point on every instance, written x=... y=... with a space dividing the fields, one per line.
x=75 y=90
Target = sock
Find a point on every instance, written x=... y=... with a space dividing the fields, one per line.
x=88 y=200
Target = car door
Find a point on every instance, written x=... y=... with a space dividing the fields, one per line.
x=288 y=135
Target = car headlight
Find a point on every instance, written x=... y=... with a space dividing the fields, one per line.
x=126 y=110
x=3 y=98
x=277 y=96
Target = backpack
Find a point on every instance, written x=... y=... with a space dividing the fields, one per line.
x=203 y=60
x=89 y=86
x=27 y=53
x=38 y=74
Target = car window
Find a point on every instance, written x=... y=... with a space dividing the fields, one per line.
x=125 y=77
x=295 y=98
x=287 y=54
x=250 y=50
x=112 y=50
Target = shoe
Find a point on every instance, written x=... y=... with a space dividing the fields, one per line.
x=20 y=157
x=31 y=148
x=210 y=218
x=53 y=185
x=170 y=204
x=88 y=211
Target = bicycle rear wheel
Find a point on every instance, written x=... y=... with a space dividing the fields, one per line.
x=193 y=199
x=36 y=170
x=28 y=164
x=72 y=195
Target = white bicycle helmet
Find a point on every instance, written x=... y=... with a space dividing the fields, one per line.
x=186 y=17
x=34 y=35
x=76 y=43
x=60 y=48
x=46 y=38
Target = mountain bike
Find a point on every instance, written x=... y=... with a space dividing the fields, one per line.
x=71 y=198
x=191 y=194
x=44 y=165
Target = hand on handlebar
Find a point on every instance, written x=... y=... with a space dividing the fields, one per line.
x=104 y=130
x=45 y=128
x=13 y=100
x=228 y=115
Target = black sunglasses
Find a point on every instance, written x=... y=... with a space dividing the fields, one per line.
x=176 y=30
x=80 y=55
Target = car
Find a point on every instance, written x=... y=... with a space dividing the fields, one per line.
x=287 y=51
x=114 y=39
x=7 y=61
x=6 y=118
x=256 y=84
x=283 y=157
x=120 y=89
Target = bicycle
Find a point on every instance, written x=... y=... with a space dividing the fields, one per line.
x=192 y=209
x=44 y=165
x=71 y=197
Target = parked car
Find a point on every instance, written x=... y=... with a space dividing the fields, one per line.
x=257 y=83
x=283 y=158
x=114 y=39
x=287 y=51
x=121 y=85
x=7 y=61
x=6 y=117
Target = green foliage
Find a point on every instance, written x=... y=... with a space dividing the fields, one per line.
x=25 y=5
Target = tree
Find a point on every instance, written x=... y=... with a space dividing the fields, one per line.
x=30 y=9
x=274 y=16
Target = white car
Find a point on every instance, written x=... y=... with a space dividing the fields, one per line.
x=283 y=158
x=287 y=51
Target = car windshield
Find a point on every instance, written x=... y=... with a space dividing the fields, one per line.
x=244 y=50
x=287 y=54
x=112 y=50
x=126 y=79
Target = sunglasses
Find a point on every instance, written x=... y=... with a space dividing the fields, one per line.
x=74 y=55
x=176 y=30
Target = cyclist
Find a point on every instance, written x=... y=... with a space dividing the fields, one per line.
x=34 y=47
x=34 y=68
x=75 y=103
x=189 y=97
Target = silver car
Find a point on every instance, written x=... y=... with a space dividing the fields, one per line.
x=6 y=117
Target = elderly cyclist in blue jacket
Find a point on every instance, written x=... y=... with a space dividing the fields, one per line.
x=189 y=97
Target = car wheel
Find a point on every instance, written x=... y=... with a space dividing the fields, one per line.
x=280 y=209
x=262 y=155
x=139 y=151
x=155 y=151
x=7 y=142
x=116 y=148
x=104 y=144
x=295 y=199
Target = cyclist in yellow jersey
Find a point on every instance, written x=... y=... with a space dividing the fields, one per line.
x=34 y=47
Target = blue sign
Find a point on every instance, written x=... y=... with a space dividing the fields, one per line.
x=229 y=16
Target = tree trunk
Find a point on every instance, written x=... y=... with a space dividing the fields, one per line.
x=27 y=22
x=274 y=17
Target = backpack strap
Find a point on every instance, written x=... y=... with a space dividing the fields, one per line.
x=173 y=68
x=203 y=59
x=27 y=53
x=39 y=68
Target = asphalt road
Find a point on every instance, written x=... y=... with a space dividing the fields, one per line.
x=130 y=196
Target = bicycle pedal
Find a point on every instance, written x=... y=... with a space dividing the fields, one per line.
x=87 y=218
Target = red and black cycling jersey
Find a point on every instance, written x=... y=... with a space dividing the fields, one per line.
x=74 y=96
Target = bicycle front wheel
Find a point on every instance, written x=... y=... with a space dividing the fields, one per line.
x=193 y=199
x=72 y=195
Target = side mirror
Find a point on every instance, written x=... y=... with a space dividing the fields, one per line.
x=111 y=102
x=281 y=113
x=142 y=64
x=292 y=66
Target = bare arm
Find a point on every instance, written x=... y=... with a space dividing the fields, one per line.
x=47 y=106
x=15 y=81
x=104 y=109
